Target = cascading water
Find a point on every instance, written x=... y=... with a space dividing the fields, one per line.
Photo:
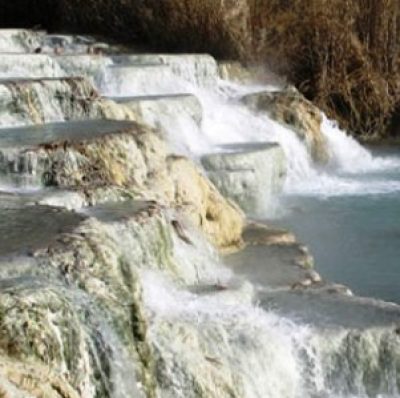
x=225 y=119
x=286 y=358
x=224 y=339
x=229 y=345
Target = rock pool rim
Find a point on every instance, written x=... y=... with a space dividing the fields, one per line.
x=19 y=80
x=241 y=148
x=74 y=131
x=162 y=97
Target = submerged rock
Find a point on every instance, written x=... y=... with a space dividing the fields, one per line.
x=270 y=261
x=292 y=109
x=249 y=174
x=256 y=233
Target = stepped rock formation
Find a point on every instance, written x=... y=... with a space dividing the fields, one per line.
x=122 y=155
x=45 y=100
x=250 y=174
x=112 y=282
x=291 y=108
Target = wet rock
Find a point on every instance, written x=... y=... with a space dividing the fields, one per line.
x=73 y=45
x=39 y=101
x=33 y=65
x=199 y=69
x=90 y=66
x=73 y=154
x=336 y=289
x=161 y=111
x=76 y=307
x=293 y=110
x=19 y=228
x=314 y=276
x=140 y=80
x=19 y=380
x=220 y=219
x=256 y=233
x=271 y=259
x=234 y=71
x=180 y=232
x=19 y=40
x=249 y=174
x=70 y=200
x=118 y=154
x=44 y=326
x=127 y=298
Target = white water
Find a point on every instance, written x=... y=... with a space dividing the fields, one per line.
x=273 y=356
x=269 y=356
x=226 y=120
x=251 y=338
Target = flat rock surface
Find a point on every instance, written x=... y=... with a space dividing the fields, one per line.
x=248 y=147
x=165 y=97
x=24 y=228
x=116 y=211
x=67 y=131
x=271 y=258
x=269 y=265
x=325 y=310
x=25 y=80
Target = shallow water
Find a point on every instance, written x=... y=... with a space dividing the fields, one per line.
x=354 y=234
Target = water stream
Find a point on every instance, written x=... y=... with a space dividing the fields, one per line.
x=257 y=342
x=348 y=213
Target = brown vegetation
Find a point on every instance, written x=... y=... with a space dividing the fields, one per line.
x=342 y=54
x=212 y=26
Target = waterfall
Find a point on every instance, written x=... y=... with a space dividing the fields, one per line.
x=211 y=332
x=226 y=339
x=225 y=120
x=351 y=157
x=223 y=339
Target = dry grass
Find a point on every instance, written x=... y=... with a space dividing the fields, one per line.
x=342 y=54
x=164 y=25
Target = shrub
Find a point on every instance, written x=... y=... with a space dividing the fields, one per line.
x=341 y=54
x=166 y=25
